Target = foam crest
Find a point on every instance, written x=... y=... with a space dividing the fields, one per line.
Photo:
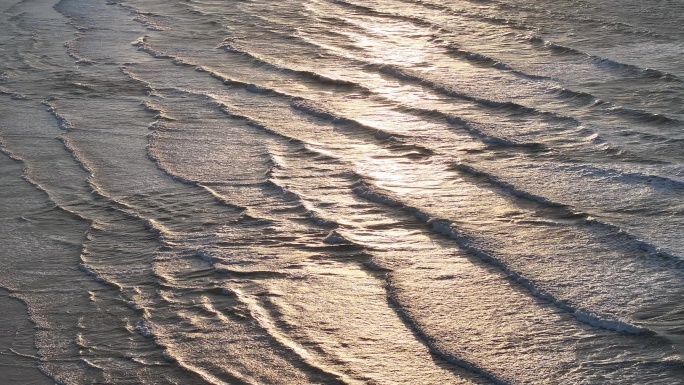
x=62 y=122
x=603 y=62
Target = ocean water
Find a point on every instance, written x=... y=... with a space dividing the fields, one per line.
x=341 y=192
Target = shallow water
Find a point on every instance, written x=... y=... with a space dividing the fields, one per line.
x=387 y=191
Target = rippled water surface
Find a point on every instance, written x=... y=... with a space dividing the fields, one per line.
x=341 y=192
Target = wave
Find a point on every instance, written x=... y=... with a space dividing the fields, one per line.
x=431 y=342
x=71 y=51
x=87 y=217
x=633 y=114
x=91 y=272
x=470 y=170
x=453 y=49
x=301 y=146
x=306 y=105
x=466 y=242
x=302 y=104
x=568 y=211
x=578 y=97
x=404 y=74
x=269 y=324
x=649 y=73
x=336 y=238
x=148 y=20
x=13 y=95
x=489 y=19
x=8 y=153
x=143 y=326
x=644 y=116
x=71 y=45
x=651 y=137
x=62 y=122
x=26 y=175
x=654 y=181
x=407 y=75
x=333 y=237
x=154 y=157
x=490 y=140
x=302 y=206
x=471 y=128
x=392 y=70
x=602 y=23
x=491 y=62
x=296 y=102
x=229 y=45
x=142 y=45
x=311 y=109
x=589 y=100
x=603 y=62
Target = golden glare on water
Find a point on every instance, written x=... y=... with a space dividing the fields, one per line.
x=406 y=52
